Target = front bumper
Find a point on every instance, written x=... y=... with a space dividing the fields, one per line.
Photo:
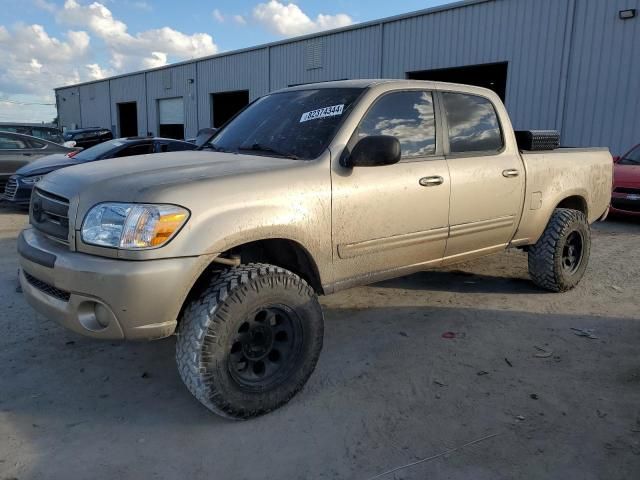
x=103 y=297
x=625 y=204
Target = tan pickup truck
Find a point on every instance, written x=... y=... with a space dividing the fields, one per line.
x=307 y=191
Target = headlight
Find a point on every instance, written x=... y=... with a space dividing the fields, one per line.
x=132 y=225
x=32 y=180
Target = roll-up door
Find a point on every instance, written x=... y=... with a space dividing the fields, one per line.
x=171 y=115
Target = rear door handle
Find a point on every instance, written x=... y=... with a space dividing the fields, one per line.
x=511 y=172
x=431 y=181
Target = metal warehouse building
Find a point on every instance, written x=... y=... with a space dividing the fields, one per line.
x=570 y=65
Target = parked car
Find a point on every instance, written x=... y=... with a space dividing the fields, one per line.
x=309 y=190
x=18 y=150
x=19 y=187
x=46 y=132
x=625 y=199
x=86 y=137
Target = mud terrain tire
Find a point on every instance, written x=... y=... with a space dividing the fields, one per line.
x=558 y=260
x=250 y=341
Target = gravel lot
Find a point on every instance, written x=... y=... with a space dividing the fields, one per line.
x=389 y=389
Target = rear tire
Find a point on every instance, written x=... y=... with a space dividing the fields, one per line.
x=558 y=260
x=251 y=340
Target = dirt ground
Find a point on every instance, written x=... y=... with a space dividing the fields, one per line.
x=389 y=389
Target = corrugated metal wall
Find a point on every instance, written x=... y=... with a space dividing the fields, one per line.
x=95 y=108
x=572 y=65
x=242 y=71
x=178 y=81
x=350 y=54
x=602 y=105
x=129 y=89
x=68 y=103
x=527 y=34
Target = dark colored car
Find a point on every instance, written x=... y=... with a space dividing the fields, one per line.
x=86 y=137
x=19 y=186
x=46 y=132
x=625 y=199
x=18 y=150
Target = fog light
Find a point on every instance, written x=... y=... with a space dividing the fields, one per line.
x=94 y=316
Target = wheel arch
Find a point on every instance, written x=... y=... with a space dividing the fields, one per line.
x=282 y=252
x=573 y=202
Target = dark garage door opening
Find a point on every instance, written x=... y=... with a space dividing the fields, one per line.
x=489 y=75
x=128 y=119
x=226 y=104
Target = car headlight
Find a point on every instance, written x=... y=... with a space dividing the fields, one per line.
x=132 y=226
x=32 y=180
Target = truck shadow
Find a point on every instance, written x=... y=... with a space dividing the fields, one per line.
x=460 y=281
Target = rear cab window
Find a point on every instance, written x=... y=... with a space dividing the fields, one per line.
x=473 y=124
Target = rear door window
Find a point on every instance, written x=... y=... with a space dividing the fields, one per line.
x=8 y=142
x=409 y=116
x=473 y=123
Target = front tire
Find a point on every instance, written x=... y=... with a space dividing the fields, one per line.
x=251 y=340
x=558 y=260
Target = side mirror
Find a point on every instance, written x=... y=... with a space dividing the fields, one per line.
x=616 y=159
x=374 y=151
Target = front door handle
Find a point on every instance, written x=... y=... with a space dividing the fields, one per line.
x=511 y=172
x=431 y=181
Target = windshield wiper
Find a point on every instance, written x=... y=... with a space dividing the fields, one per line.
x=258 y=147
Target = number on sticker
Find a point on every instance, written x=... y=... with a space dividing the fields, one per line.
x=322 y=113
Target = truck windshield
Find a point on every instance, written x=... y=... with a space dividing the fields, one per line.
x=296 y=124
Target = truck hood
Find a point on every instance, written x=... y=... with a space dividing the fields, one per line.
x=137 y=179
x=626 y=175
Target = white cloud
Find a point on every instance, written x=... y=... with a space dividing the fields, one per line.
x=142 y=5
x=44 y=5
x=217 y=15
x=239 y=19
x=289 y=19
x=33 y=63
x=133 y=51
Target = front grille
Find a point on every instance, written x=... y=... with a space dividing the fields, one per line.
x=627 y=190
x=627 y=205
x=10 y=188
x=47 y=289
x=49 y=213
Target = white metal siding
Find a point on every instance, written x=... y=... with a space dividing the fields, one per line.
x=243 y=71
x=572 y=65
x=350 y=54
x=602 y=105
x=130 y=89
x=95 y=108
x=181 y=81
x=68 y=101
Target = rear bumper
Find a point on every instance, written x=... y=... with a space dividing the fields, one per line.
x=102 y=297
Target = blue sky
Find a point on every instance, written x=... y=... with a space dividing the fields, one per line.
x=50 y=43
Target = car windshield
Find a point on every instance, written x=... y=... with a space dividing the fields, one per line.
x=93 y=153
x=296 y=124
x=631 y=158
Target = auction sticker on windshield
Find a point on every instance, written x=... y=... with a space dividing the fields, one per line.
x=322 y=113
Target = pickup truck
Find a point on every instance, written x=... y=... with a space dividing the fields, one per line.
x=307 y=191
